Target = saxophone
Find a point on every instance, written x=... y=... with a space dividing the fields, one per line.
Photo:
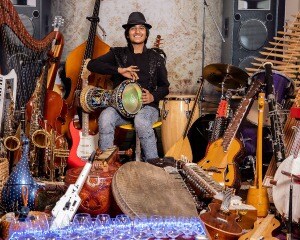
x=11 y=142
x=39 y=136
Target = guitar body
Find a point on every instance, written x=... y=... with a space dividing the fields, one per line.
x=82 y=147
x=263 y=228
x=223 y=162
x=222 y=226
x=258 y=197
x=181 y=147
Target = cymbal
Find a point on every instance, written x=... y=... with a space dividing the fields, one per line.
x=233 y=77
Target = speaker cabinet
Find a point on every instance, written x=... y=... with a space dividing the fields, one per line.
x=248 y=26
x=36 y=19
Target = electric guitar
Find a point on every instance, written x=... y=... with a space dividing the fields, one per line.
x=83 y=144
x=222 y=154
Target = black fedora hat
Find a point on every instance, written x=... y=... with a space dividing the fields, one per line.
x=136 y=18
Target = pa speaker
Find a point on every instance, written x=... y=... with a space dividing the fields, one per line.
x=36 y=19
x=248 y=26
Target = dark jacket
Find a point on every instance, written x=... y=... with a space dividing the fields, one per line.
x=152 y=75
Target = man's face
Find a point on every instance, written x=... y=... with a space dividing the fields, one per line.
x=137 y=34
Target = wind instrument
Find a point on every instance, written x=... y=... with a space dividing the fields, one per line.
x=39 y=136
x=11 y=142
x=257 y=194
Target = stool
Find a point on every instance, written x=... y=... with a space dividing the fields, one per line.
x=138 y=151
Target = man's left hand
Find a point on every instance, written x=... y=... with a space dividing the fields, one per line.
x=147 y=97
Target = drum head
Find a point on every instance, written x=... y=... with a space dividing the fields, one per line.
x=140 y=188
x=131 y=98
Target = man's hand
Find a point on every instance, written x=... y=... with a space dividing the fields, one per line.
x=129 y=72
x=147 y=97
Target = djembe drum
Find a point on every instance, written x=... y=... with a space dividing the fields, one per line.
x=126 y=98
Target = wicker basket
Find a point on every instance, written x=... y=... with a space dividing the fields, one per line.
x=4 y=173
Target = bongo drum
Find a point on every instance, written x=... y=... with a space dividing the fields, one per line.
x=175 y=113
x=142 y=189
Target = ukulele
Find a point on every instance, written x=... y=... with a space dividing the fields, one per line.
x=257 y=194
x=263 y=228
x=220 y=222
x=221 y=156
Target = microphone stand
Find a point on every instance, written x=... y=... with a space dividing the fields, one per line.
x=205 y=5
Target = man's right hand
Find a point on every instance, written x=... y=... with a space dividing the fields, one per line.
x=129 y=72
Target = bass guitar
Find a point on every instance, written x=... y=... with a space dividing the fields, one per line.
x=222 y=154
x=83 y=144
x=257 y=194
x=263 y=228
x=220 y=222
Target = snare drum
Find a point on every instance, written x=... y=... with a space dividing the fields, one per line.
x=283 y=87
x=175 y=113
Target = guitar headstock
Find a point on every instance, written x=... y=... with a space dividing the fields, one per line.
x=158 y=42
x=157 y=47
x=223 y=108
x=58 y=22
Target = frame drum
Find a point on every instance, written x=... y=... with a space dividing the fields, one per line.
x=175 y=113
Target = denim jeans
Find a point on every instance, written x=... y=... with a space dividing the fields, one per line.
x=143 y=121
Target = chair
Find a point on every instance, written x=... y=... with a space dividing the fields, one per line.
x=138 y=150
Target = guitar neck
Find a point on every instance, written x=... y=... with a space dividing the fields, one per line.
x=261 y=107
x=239 y=115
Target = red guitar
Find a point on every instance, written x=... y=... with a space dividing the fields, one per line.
x=83 y=143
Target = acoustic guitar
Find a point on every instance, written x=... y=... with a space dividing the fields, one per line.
x=222 y=155
x=257 y=194
x=263 y=228
x=220 y=222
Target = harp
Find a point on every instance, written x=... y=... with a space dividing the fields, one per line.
x=22 y=53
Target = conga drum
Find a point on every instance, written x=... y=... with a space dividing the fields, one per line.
x=175 y=113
